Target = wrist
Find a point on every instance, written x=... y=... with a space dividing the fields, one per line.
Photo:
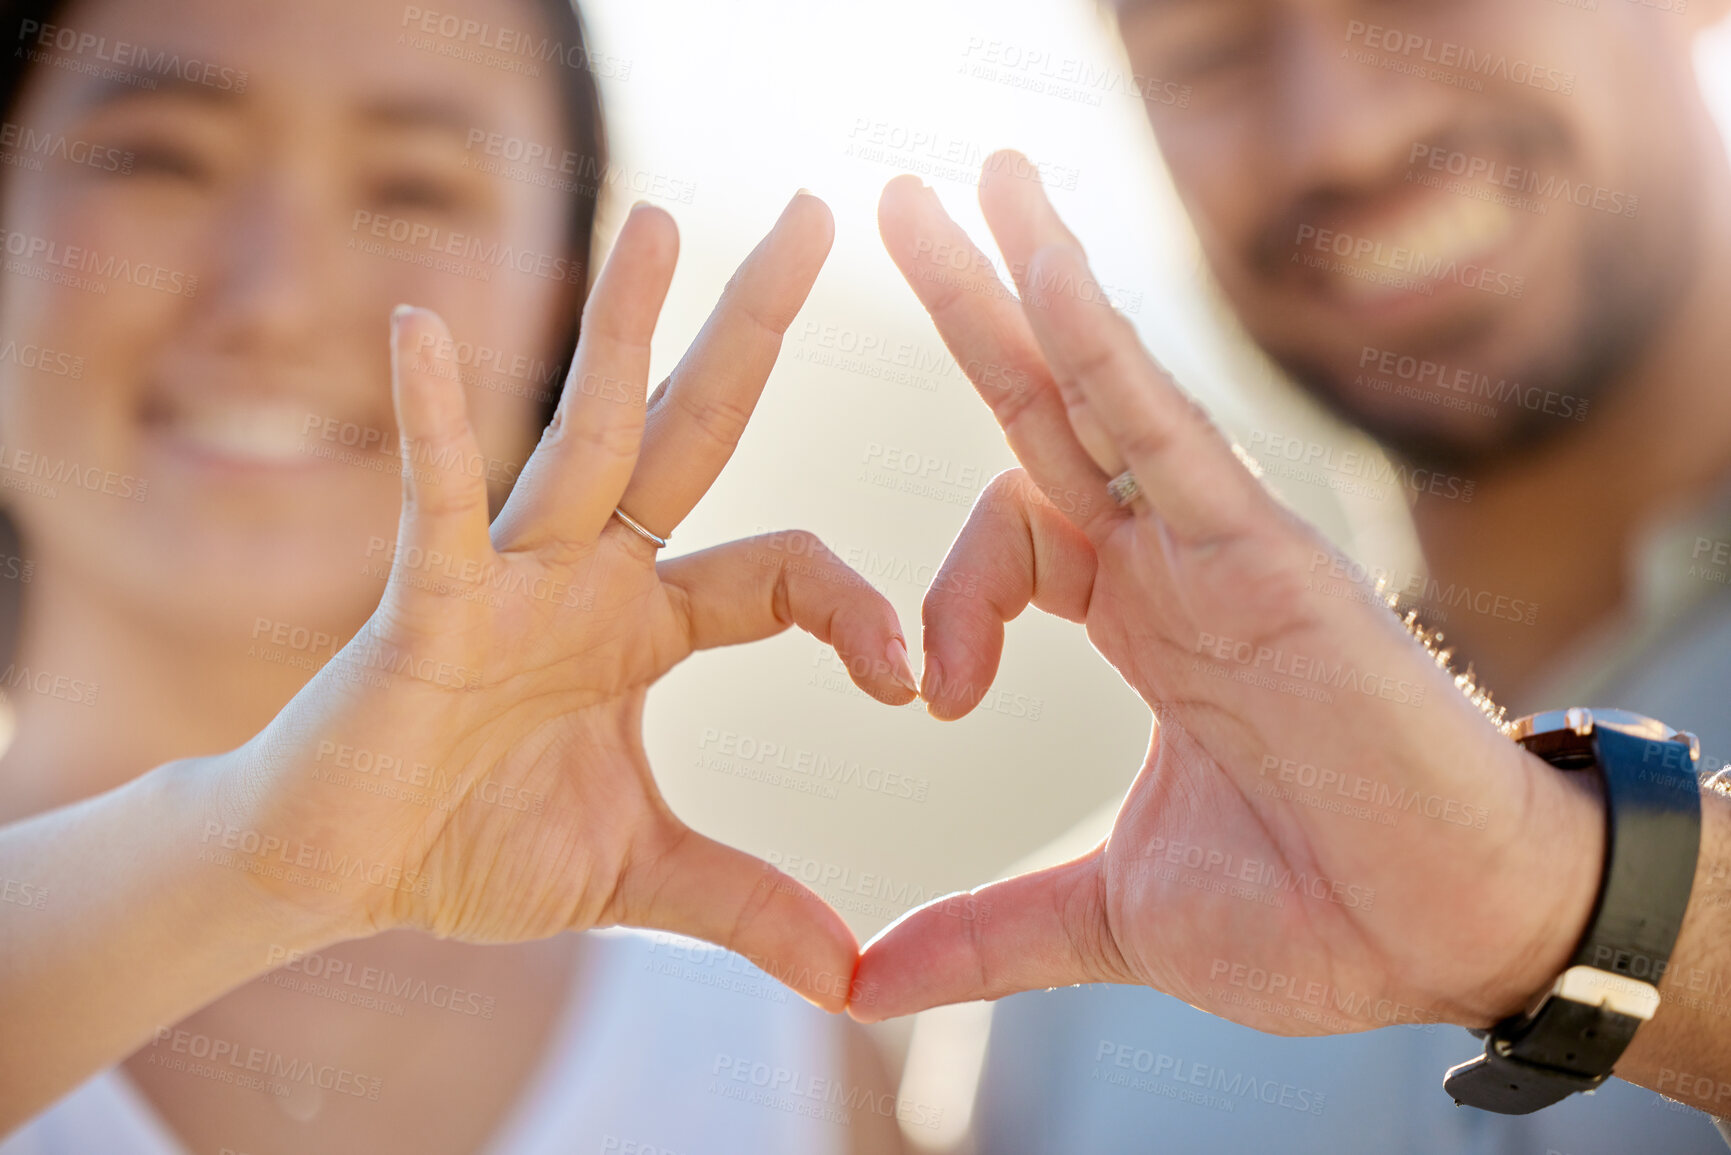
x=245 y=865
x=1547 y=887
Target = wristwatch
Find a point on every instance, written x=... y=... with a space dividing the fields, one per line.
x=1568 y=1039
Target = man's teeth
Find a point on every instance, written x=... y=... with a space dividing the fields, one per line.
x=1457 y=231
x=1453 y=230
x=257 y=431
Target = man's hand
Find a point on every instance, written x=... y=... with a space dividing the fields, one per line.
x=1326 y=835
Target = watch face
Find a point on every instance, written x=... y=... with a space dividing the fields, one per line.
x=1568 y=734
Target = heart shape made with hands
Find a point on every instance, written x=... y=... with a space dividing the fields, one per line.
x=1196 y=593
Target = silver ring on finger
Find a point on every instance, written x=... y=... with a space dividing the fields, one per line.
x=641 y=530
x=1124 y=489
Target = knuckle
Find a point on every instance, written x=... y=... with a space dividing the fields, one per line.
x=1146 y=442
x=609 y=439
x=1011 y=407
x=1009 y=487
x=805 y=543
x=1100 y=359
x=720 y=420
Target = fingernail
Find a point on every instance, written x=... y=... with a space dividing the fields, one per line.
x=804 y=192
x=931 y=680
x=401 y=311
x=900 y=667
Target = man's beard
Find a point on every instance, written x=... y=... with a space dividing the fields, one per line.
x=1619 y=318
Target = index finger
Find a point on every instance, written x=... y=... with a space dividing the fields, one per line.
x=982 y=324
x=696 y=419
x=1187 y=468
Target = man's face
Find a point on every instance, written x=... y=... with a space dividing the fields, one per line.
x=1452 y=220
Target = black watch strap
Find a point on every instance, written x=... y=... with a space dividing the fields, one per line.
x=1580 y=1028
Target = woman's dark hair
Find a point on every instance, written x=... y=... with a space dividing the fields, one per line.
x=565 y=52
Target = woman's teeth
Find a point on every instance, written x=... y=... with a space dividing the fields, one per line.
x=257 y=431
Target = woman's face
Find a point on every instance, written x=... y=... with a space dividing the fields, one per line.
x=210 y=208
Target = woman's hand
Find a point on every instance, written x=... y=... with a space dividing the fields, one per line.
x=1327 y=835
x=472 y=762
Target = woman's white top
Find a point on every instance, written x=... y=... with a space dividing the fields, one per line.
x=671 y=1047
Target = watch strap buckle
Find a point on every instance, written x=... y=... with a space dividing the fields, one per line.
x=1498 y=1082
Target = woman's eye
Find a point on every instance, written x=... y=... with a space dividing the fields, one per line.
x=416 y=193
x=165 y=161
x=1214 y=59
